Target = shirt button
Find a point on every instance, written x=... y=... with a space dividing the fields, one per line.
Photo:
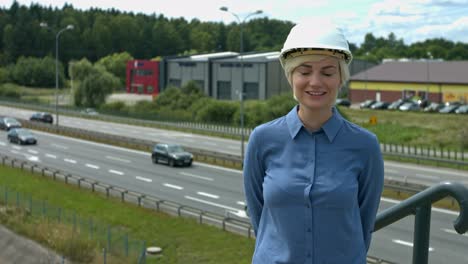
x=309 y=230
x=308 y=255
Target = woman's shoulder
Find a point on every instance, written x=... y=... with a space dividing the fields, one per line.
x=358 y=132
x=271 y=128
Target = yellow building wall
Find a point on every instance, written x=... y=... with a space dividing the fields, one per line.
x=449 y=92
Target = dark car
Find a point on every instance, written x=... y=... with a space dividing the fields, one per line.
x=367 y=104
x=8 y=123
x=172 y=154
x=21 y=136
x=42 y=117
x=343 y=102
x=380 y=105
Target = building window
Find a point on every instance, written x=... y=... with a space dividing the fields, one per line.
x=174 y=82
x=142 y=72
x=224 y=90
x=250 y=90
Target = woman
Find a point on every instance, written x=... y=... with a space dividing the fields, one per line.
x=312 y=179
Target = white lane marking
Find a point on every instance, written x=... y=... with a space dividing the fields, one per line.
x=391 y=171
x=406 y=243
x=118 y=159
x=240 y=203
x=33 y=158
x=2 y=143
x=92 y=166
x=232 y=210
x=208 y=195
x=173 y=186
x=116 y=172
x=196 y=176
x=427 y=176
x=445 y=211
x=59 y=146
x=70 y=161
x=451 y=231
x=51 y=156
x=143 y=179
x=33 y=151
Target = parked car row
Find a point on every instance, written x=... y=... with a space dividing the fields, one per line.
x=420 y=105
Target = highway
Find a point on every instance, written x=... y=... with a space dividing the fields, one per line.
x=219 y=189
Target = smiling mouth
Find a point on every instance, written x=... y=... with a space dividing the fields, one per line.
x=315 y=93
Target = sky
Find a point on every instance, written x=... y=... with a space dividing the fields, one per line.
x=410 y=20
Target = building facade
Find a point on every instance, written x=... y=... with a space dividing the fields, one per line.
x=436 y=81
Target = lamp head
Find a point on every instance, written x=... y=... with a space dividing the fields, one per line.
x=223 y=8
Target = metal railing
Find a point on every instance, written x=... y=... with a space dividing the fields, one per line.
x=420 y=205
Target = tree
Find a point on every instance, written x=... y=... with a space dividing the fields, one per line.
x=116 y=64
x=93 y=83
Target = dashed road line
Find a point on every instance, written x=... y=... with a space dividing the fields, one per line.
x=208 y=195
x=173 y=186
x=196 y=176
x=409 y=244
x=116 y=172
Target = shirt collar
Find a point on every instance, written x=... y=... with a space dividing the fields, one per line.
x=330 y=128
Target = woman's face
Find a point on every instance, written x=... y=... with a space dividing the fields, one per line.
x=316 y=83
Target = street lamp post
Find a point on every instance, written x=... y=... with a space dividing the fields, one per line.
x=69 y=27
x=241 y=50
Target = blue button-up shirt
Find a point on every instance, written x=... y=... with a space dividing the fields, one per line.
x=312 y=197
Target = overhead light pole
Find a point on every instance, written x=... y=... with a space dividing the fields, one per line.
x=68 y=27
x=241 y=90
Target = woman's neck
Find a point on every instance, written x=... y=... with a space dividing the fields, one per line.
x=314 y=120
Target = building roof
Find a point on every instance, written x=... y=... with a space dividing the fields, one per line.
x=455 y=72
x=253 y=57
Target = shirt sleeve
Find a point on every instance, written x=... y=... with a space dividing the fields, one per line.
x=370 y=189
x=253 y=179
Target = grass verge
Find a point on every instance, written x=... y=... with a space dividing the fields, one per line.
x=182 y=240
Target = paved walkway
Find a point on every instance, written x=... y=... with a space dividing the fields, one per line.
x=15 y=249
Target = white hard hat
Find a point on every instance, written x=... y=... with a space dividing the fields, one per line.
x=317 y=38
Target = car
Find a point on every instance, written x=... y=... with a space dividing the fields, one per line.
x=450 y=107
x=89 y=111
x=462 y=109
x=343 y=102
x=380 y=105
x=433 y=107
x=7 y=123
x=396 y=104
x=172 y=154
x=367 y=104
x=21 y=136
x=42 y=117
x=409 y=106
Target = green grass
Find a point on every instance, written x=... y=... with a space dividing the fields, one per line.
x=415 y=128
x=183 y=240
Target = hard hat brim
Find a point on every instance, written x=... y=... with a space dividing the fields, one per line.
x=340 y=54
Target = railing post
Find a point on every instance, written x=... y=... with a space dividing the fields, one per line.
x=422 y=228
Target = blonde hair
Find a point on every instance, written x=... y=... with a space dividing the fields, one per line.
x=292 y=63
